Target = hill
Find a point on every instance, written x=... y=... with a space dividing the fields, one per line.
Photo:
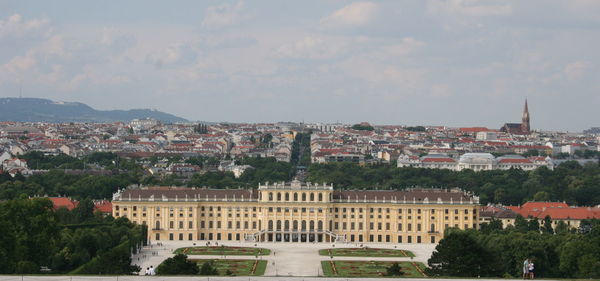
x=43 y=110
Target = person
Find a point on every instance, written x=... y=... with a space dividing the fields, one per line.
x=531 y=270
x=147 y=271
x=152 y=272
x=526 y=269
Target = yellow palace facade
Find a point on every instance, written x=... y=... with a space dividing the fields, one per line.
x=297 y=212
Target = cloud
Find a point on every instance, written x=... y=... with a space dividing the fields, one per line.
x=405 y=47
x=222 y=15
x=15 y=26
x=21 y=64
x=311 y=47
x=115 y=39
x=355 y=14
x=472 y=8
x=575 y=70
x=181 y=53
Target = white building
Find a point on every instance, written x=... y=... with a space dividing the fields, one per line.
x=475 y=162
x=486 y=135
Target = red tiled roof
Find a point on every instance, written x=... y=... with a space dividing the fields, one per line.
x=103 y=206
x=434 y=159
x=537 y=158
x=556 y=210
x=63 y=202
x=474 y=129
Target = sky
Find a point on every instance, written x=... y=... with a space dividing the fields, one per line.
x=423 y=62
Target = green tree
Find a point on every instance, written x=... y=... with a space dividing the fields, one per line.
x=394 y=270
x=541 y=196
x=460 y=255
x=561 y=228
x=492 y=226
x=208 y=269
x=547 y=227
x=521 y=224
x=177 y=265
x=533 y=225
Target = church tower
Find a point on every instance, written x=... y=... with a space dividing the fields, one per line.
x=525 y=129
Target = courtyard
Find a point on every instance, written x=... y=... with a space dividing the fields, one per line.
x=290 y=259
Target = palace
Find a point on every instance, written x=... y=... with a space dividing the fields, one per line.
x=298 y=212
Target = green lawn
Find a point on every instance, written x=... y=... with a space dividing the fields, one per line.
x=369 y=269
x=237 y=267
x=365 y=252
x=228 y=251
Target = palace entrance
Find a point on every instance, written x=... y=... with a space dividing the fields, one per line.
x=295 y=236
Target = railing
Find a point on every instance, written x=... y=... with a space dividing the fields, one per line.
x=412 y=202
x=127 y=199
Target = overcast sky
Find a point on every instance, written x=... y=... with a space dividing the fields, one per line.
x=422 y=62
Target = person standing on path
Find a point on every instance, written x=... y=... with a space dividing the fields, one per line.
x=526 y=269
x=531 y=270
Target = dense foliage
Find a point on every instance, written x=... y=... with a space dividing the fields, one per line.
x=107 y=160
x=362 y=127
x=57 y=182
x=177 y=265
x=500 y=253
x=568 y=182
x=34 y=235
x=263 y=170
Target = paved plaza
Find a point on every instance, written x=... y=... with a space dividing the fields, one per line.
x=286 y=259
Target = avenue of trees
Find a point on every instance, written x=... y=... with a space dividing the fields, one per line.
x=493 y=252
x=570 y=182
x=34 y=235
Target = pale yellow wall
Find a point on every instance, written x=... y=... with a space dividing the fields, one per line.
x=257 y=216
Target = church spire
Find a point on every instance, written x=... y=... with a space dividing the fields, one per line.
x=525 y=128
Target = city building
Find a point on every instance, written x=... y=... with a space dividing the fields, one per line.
x=298 y=212
x=522 y=128
x=557 y=211
x=475 y=162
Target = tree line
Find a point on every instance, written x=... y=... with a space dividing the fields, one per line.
x=497 y=252
x=570 y=182
x=33 y=235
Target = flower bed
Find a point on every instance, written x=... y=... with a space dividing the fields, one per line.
x=224 y=250
x=370 y=269
x=365 y=252
x=237 y=267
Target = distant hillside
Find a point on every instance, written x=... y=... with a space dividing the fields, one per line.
x=43 y=110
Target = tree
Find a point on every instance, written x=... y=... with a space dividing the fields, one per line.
x=394 y=270
x=561 y=228
x=533 y=225
x=201 y=129
x=362 y=127
x=541 y=196
x=84 y=210
x=547 y=227
x=177 y=265
x=521 y=224
x=208 y=269
x=460 y=255
x=492 y=226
